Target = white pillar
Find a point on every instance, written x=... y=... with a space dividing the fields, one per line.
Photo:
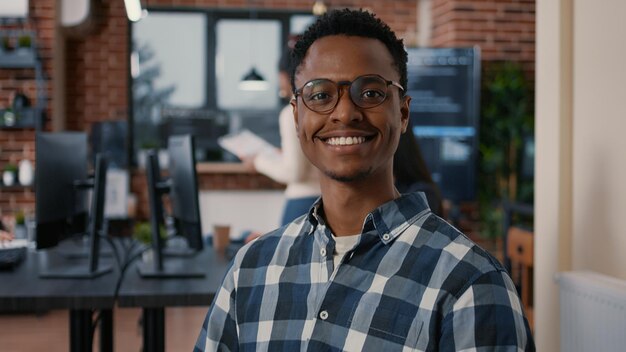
x=553 y=163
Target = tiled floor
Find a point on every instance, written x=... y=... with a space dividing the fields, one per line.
x=50 y=331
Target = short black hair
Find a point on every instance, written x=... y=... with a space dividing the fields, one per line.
x=348 y=22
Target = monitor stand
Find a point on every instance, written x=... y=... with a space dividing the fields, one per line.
x=71 y=270
x=79 y=249
x=173 y=268
x=176 y=246
x=179 y=252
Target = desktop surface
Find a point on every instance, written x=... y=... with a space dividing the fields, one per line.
x=136 y=291
x=23 y=290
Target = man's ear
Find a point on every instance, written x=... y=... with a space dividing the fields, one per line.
x=405 y=111
x=294 y=106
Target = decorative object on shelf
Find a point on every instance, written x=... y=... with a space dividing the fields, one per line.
x=20 y=101
x=20 y=107
x=24 y=44
x=5 y=44
x=20 y=225
x=8 y=118
x=9 y=174
x=25 y=173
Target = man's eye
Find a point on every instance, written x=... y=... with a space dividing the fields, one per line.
x=372 y=94
x=319 y=96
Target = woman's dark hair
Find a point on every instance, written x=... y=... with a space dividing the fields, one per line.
x=411 y=173
x=348 y=22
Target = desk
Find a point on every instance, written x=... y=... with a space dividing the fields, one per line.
x=153 y=295
x=23 y=290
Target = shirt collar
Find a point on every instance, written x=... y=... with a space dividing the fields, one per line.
x=388 y=220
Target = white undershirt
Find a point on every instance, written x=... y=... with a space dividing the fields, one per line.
x=342 y=245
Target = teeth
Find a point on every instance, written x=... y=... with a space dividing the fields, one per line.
x=345 y=140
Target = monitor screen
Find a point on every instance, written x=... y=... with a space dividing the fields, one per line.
x=161 y=268
x=70 y=269
x=184 y=190
x=60 y=206
x=444 y=86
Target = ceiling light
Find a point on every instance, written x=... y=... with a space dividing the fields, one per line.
x=133 y=10
x=253 y=81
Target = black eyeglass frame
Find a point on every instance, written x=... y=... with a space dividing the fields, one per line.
x=298 y=92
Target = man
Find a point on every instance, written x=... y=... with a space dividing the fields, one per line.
x=366 y=269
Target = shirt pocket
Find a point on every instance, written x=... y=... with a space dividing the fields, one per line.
x=397 y=329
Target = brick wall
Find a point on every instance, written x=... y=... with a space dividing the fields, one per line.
x=18 y=144
x=504 y=29
x=97 y=69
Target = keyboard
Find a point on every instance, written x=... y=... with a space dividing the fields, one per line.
x=11 y=257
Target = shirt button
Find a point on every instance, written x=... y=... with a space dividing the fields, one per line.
x=323 y=252
x=323 y=315
x=386 y=237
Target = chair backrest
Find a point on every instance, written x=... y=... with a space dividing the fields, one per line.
x=520 y=250
x=520 y=246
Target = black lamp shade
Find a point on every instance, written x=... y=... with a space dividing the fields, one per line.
x=253 y=81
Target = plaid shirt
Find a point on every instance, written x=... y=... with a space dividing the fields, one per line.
x=412 y=282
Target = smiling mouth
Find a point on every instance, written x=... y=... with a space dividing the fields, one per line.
x=341 y=141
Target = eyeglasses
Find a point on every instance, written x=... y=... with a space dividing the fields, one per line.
x=322 y=95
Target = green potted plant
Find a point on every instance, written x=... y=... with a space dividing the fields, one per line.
x=9 y=174
x=143 y=233
x=20 y=225
x=5 y=44
x=506 y=117
x=24 y=41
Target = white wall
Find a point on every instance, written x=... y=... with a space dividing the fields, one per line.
x=599 y=241
x=580 y=190
x=242 y=210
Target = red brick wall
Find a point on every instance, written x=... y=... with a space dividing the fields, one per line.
x=18 y=144
x=504 y=29
x=97 y=69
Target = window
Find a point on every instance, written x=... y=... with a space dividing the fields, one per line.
x=186 y=67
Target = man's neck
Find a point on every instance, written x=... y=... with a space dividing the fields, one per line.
x=346 y=204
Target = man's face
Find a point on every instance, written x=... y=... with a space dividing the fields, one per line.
x=373 y=132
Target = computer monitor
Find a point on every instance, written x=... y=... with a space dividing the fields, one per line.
x=70 y=268
x=172 y=267
x=183 y=192
x=61 y=208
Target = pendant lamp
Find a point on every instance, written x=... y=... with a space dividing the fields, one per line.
x=252 y=80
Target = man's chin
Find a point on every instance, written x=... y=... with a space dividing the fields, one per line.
x=348 y=177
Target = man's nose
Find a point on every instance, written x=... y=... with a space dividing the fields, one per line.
x=345 y=110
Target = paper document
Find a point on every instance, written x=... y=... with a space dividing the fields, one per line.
x=246 y=143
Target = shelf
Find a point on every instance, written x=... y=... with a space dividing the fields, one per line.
x=15 y=187
x=26 y=118
x=19 y=58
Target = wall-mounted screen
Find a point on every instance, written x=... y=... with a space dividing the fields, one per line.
x=444 y=85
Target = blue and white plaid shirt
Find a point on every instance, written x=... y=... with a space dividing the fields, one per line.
x=412 y=282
